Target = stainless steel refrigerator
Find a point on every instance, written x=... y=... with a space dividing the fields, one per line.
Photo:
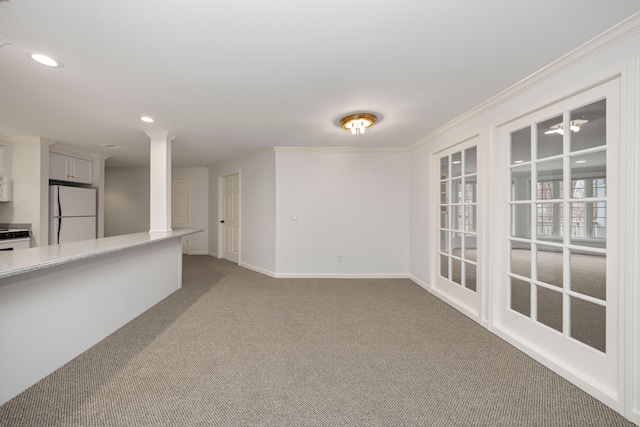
x=72 y=214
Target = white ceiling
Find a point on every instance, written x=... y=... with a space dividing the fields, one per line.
x=230 y=78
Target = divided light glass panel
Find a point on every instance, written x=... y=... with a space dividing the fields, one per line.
x=558 y=223
x=459 y=218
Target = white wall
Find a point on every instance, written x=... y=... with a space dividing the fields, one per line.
x=30 y=171
x=198 y=206
x=98 y=180
x=257 y=210
x=348 y=203
x=419 y=232
x=6 y=208
x=126 y=200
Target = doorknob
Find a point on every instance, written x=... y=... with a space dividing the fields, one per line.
x=222 y=222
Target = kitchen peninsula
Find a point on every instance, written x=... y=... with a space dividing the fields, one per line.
x=57 y=301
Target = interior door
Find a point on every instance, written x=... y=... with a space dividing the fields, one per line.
x=456 y=232
x=180 y=207
x=557 y=296
x=230 y=222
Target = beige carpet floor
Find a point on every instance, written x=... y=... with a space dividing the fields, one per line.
x=236 y=348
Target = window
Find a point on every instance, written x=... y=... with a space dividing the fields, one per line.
x=588 y=219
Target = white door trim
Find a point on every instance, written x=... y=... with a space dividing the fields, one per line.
x=185 y=239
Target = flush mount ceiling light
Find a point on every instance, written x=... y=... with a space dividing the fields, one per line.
x=357 y=123
x=147 y=119
x=574 y=125
x=45 y=60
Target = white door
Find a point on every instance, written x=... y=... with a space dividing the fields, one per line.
x=456 y=232
x=180 y=207
x=230 y=221
x=558 y=239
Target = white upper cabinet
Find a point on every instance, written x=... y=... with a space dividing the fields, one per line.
x=58 y=166
x=64 y=167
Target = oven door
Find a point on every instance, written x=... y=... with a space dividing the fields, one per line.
x=15 y=244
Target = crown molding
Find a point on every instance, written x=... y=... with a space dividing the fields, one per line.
x=307 y=150
x=25 y=139
x=241 y=158
x=618 y=33
x=339 y=149
x=160 y=135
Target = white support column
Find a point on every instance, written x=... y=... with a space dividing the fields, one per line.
x=160 y=176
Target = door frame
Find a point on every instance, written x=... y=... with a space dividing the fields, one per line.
x=185 y=239
x=221 y=179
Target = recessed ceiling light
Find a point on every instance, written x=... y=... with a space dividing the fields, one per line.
x=114 y=146
x=45 y=60
x=147 y=119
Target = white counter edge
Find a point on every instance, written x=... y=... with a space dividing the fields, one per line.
x=13 y=263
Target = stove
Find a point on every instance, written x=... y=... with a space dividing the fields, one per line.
x=11 y=239
x=13 y=234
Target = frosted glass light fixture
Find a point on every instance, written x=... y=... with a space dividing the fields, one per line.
x=147 y=119
x=358 y=123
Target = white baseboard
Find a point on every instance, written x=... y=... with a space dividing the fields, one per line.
x=420 y=283
x=257 y=269
x=341 y=276
x=323 y=275
x=197 y=253
x=561 y=368
x=215 y=255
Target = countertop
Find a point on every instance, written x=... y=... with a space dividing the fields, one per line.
x=22 y=261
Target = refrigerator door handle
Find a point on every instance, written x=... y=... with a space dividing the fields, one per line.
x=59 y=229
x=59 y=205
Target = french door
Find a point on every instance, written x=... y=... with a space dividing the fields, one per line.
x=456 y=273
x=557 y=237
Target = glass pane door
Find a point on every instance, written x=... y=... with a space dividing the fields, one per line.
x=555 y=242
x=559 y=183
x=458 y=222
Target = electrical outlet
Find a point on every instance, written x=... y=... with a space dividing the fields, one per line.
x=339 y=258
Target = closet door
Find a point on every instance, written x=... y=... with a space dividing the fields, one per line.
x=558 y=238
